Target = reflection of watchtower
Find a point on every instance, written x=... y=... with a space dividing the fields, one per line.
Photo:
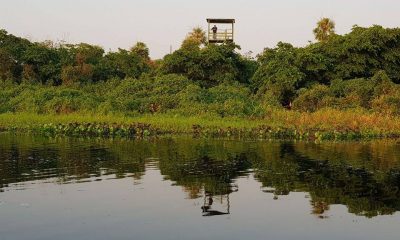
x=220 y=30
x=208 y=202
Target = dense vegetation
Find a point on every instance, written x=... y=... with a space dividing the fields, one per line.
x=359 y=70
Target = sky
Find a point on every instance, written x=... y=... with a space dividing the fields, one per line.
x=164 y=23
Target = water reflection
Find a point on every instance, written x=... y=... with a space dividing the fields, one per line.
x=365 y=177
x=343 y=174
x=207 y=206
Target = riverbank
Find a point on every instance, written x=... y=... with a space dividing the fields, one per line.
x=327 y=124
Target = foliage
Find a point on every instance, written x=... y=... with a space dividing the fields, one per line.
x=378 y=93
x=321 y=125
x=209 y=66
x=324 y=30
x=361 y=54
x=195 y=39
x=278 y=73
x=388 y=104
x=359 y=71
x=145 y=95
x=313 y=99
x=56 y=64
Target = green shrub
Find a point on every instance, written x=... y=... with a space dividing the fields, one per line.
x=387 y=104
x=69 y=101
x=313 y=99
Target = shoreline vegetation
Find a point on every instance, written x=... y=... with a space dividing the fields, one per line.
x=338 y=87
x=326 y=124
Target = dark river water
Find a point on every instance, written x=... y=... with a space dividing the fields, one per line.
x=186 y=188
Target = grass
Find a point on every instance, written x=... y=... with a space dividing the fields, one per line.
x=164 y=122
x=324 y=124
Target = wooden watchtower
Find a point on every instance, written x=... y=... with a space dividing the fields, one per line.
x=220 y=30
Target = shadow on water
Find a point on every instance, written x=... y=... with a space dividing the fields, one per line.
x=365 y=177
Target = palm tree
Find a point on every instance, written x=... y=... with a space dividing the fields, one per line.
x=196 y=37
x=141 y=49
x=324 y=30
x=199 y=34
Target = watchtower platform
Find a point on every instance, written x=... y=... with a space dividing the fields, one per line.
x=220 y=30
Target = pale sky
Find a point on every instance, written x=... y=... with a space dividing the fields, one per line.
x=162 y=23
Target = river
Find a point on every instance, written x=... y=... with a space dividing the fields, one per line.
x=188 y=188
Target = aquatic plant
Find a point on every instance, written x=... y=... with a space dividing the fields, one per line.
x=325 y=124
x=98 y=129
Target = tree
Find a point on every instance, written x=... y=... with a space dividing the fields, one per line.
x=196 y=38
x=209 y=66
x=324 y=30
x=77 y=74
x=124 y=63
x=86 y=53
x=7 y=65
x=142 y=50
x=79 y=62
x=279 y=74
x=12 y=50
x=40 y=64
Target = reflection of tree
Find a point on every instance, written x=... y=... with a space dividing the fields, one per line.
x=319 y=207
x=206 y=169
x=211 y=175
x=27 y=158
x=363 y=176
x=363 y=190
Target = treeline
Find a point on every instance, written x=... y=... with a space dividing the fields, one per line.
x=49 y=63
x=358 y=70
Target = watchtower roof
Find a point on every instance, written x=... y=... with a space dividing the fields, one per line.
x=220 y=20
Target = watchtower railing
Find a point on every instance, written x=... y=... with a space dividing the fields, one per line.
x=225 y=35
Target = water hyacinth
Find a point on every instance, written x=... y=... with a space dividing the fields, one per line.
x=99 y=129
x=268 y=132
x=261 y=132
